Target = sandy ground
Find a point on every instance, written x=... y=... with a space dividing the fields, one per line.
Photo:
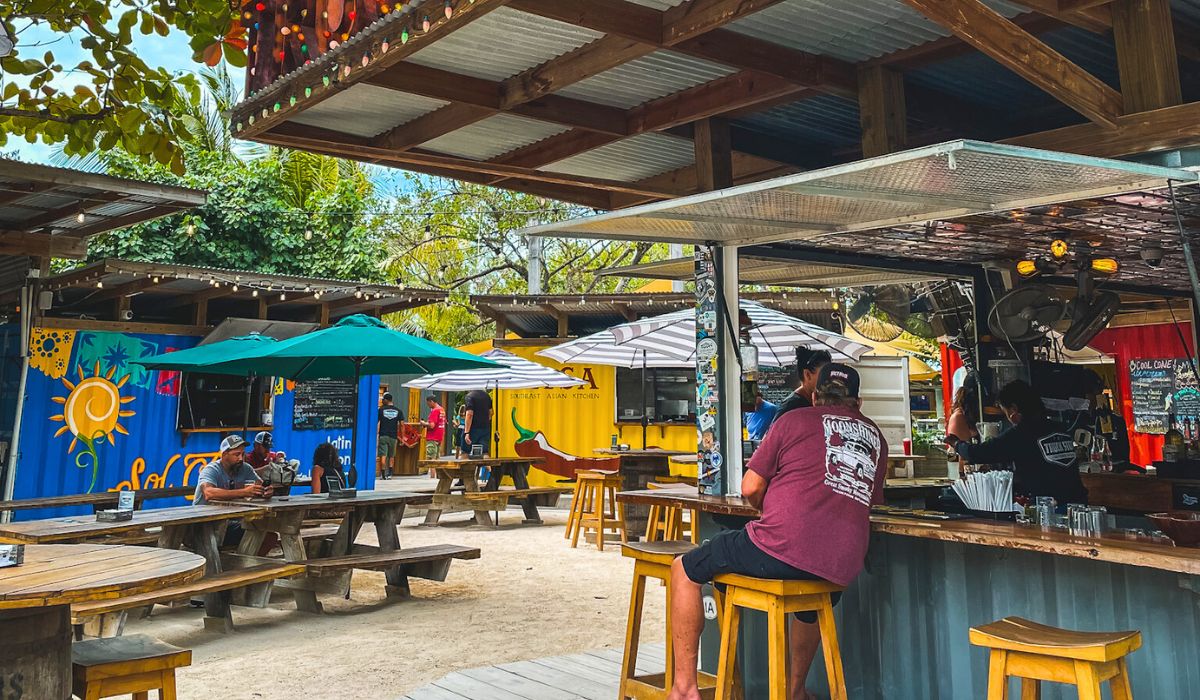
x=529 y=595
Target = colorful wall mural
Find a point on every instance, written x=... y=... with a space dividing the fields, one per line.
x=94 y=420
x=566 y=426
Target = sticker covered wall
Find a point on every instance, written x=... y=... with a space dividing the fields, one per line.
x=94 y=420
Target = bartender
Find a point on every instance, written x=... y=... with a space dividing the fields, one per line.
x=1041 y=451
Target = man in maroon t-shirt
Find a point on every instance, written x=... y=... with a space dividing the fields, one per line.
x=814 y=477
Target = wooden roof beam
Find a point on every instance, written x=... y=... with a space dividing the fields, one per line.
x=1094 y=19
x=1164 y=129
x=41 y=245
x=124 y=290
x=1025 y=55
x=193 y=298
x=15 y=192
x=121 y=221
x=696 y=17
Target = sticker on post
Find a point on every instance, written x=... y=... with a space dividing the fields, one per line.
x=710 y=608
x=706 y=349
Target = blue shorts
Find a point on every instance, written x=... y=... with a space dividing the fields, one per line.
x=733 y=552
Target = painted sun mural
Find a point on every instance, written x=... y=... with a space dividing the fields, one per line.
x=92 y=411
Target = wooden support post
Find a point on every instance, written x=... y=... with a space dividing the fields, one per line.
x=323 y=314
x=120 y=306
x=200 y=313
x=262 y=308
x=714 y=154
x=1146 y=54
x=882 y=112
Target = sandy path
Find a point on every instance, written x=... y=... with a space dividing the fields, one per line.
x=530 y=595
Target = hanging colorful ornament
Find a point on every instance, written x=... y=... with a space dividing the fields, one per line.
x=278 y=106
x=261 y=7
x=325 y=80
x=352 y=15
x=285 y=30
x=292 y=100
x=449 y=9
x=308 y=92
x=333 y=44
x=404 y=36
x=425 y=25
x=303 y=48
x=346 y=70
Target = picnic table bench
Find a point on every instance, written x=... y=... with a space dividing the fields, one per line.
x=106 y=499
x=490 y=497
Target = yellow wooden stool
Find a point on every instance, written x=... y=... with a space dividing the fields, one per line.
x=136 y=663
x=576 y=506
x=601 y=511
x=652 y=560
x=777 y=598
x=665 y=523
x=1036 y=653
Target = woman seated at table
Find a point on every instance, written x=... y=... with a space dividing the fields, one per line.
x=327 y=471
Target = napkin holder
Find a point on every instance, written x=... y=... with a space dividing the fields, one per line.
x=113 y=515
x=338 y=494
x=11 y=555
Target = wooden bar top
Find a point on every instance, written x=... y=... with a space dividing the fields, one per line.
x=651 y=452
x=457 y=462
x=1184 y=560
x=81 y=527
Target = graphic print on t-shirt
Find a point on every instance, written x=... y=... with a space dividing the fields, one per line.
x=1058 y=448
x=851 y=453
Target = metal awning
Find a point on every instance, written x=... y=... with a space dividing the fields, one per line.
x=779 y=273
x=946 y=181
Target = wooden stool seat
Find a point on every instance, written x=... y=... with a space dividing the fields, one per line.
x=136 y=664
x=657 y=552
x=1034 y=652
x=777 y=598
x=594 y=506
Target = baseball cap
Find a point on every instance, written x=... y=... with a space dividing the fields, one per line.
x=387 y=396
x=264 y=438
x=837 y=379
x=232 y=443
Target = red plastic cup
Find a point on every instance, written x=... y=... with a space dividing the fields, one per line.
x=907 y=446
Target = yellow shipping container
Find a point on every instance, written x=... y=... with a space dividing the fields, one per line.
x=575 y=421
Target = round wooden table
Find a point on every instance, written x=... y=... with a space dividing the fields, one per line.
x=36 y=597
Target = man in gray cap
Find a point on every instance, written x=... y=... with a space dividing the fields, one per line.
x=228 y=477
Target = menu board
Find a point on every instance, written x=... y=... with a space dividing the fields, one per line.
x=1159 y=388
x=776 y=383
x=323 y=404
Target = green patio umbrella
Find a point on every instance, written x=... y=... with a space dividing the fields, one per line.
x=354 y=347
x=209 y=358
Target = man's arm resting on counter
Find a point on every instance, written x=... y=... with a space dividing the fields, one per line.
x=212 y=493
x=754 y=487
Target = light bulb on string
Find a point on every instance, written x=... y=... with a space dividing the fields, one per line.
x=155 y=280
x=425 y=24
x=282 y=296
x=191 y=229
x=80 y=217
x=99 y=285
x=449 y=10
x=254 y=293
x=235 y=287
x=308 y=234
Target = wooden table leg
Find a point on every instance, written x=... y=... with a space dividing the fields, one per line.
x=386 y=518
x=471 y=485
x=521 y=481
x=216 y=605
x=445 y=482
x=293 y=551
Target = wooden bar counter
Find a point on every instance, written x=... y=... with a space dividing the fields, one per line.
x=903 y=624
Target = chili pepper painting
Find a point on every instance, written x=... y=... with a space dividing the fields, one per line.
x=557 y=462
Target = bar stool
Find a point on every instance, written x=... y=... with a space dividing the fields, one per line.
x=576 y=506
x=601 y=511
x=777 y=598
x=1035 y=653
x=667 y=520
x=653 y=560
x=136 y=663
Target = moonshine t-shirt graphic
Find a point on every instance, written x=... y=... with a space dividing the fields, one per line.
x=851 y=453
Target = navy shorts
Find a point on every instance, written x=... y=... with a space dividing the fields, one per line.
x=733 y=552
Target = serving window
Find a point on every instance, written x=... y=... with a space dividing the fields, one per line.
x=670 y=395
x=213 y=402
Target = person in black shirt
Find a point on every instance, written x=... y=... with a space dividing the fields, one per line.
x=808 y=366
x=327 y=471
x=477 y=427
x=1040 y=450
x=1100 y=420
x=390 y=418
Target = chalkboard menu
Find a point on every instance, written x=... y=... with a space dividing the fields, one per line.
x=776 y=383
x=323 y=404
x=1159 y=388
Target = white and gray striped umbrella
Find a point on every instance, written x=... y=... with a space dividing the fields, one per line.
x=601 y=349
x=517 y=373
x=774 y=333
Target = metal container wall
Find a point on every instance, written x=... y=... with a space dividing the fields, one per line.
x=76 y=374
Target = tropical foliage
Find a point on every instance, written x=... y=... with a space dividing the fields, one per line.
x=112 y=98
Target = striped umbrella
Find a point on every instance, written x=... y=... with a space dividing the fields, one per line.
x=516 y=373
x=774 y=333
x=602 y=349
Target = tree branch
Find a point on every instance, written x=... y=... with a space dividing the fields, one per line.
x=45 y=115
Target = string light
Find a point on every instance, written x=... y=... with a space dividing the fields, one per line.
x=282 y=296
x=80 y=217
x=254 y=293
x=425 y=24
x=99 y=285
x=308 y=235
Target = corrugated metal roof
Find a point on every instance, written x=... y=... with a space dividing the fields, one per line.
x=502 y=44
x=852 y=31
x=629 y=160
x=657 y=75
x=658 y=4
x=367 y=110
x=493 y=136
x=977 y=78
x=822 y=119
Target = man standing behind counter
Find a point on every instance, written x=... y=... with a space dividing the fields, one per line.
x=814 y=478
x=477 y=427
x=808 y=366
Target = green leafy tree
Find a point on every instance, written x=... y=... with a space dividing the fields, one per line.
x=113 y=98
x=461 y=237
x=274 y=211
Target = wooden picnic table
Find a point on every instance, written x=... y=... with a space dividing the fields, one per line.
x=202 y=525
x=285 y=516
x=106 y=499
x=36 y=597
x=466 y=469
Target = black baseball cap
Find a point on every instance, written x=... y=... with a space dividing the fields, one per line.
x=838 y=380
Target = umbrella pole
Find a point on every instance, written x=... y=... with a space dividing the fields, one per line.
x=645 y=409
x=246 y=412
x=352 y=477
x=492 y=420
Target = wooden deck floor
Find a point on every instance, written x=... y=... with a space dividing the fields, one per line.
x=590 y=676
